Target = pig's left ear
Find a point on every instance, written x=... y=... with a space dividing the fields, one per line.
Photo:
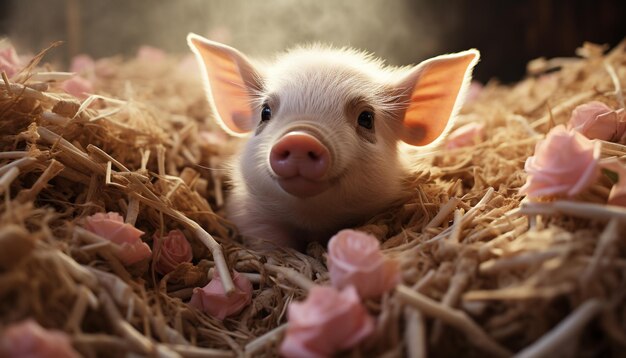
x=434 y=91
x=230 y=81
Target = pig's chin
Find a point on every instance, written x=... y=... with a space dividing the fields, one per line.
x=301 y=187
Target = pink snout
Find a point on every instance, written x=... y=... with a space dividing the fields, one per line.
x=299 y=154
x=300 y=161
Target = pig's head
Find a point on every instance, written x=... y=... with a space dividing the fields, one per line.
x=324 y=127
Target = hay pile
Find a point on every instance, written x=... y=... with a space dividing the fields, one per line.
x=483 y=273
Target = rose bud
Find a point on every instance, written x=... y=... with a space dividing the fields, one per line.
x=82 y=64
x=326 y=322
x=466 y=135
x=78 y=87
x=596 y=120
x=171 y=251
x=355 y=258
x=29 y=339
x=212 y=298
x=150 y=54
x=9 y=61
x=112 y=227
x=565 y=163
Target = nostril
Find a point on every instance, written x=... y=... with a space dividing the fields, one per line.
x=283 y=154
x=313 y=156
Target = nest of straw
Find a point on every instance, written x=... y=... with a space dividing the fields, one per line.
x=484 y=272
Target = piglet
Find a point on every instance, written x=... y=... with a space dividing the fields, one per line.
x=324 y=128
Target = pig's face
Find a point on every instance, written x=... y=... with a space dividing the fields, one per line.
x=324 y=127
x=324 y=145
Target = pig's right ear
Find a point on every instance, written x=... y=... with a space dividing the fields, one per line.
x=230 y=81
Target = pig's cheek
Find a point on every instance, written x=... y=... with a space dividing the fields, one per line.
x=377 y=173
x=253 y=164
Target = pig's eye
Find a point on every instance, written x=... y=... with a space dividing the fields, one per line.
x=266 y=113
x=366 y=119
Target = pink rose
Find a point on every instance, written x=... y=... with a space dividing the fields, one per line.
x=189 y=65
x=466 y=135
x=78 y=87
x=596 y=120
x=565 y=162
x=212 y=298
x=111 y=226
x=220 y=34
x=150 y=54
x=355 y=259
x=9 y=61
x=82 y=63
x=617 y=196
x=29 y=339
x=474 y=91
x=326 y=322
x=171 y=250
x=106 y=67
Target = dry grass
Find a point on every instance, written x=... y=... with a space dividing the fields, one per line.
x=484 y=272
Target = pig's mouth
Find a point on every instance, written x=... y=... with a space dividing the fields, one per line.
x=301 y=187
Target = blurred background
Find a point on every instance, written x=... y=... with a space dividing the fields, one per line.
x=508 y=33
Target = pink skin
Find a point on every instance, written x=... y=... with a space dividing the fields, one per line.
x=300 y=161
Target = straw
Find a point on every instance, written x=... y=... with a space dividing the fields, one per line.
x=484 y=271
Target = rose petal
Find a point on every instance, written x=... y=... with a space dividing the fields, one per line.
x=111 y=226
x=133 y=253
x=596 y=120
x=172 y=250
x=78 y=87
x=212 y=298
x=29 y=339
x=474 y=91
x=564 y=163
x=354 y=258
x=313 y=312
x=9 y=61
x=344 y=323
x=343 y=246
x=150 y=54
x=220 y=34
x=466 y=135
x=189 y=65
x=82 y=63
x=106 y=67
x=589 y=175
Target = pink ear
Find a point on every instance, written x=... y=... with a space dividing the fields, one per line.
x=229 y=80
x=437 y=89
